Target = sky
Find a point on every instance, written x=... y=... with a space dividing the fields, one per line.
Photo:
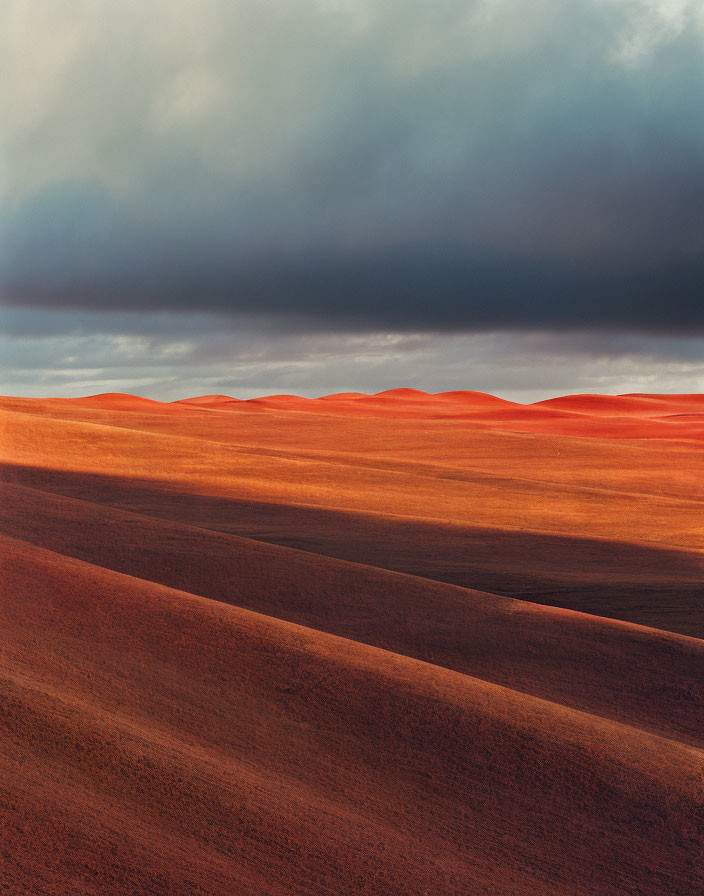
x=310 y=196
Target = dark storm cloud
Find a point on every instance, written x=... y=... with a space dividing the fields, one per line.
x=397 y=165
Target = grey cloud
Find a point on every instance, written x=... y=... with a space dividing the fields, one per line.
x=362 y=166
x=198 y=354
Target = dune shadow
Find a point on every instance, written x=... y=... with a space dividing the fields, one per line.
x=649 y=585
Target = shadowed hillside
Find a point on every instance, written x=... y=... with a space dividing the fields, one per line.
x=297 y=646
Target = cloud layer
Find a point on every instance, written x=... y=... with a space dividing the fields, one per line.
x=169 y=356
x=359 y=166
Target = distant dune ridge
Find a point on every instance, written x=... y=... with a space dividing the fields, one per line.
x=381 y=644
x=606 y=416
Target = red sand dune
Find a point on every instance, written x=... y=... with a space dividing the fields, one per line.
x=115 y=401
x=625 y=405
x=595 y=416
x=207 y=400
x=475 y=399
x=330 y=646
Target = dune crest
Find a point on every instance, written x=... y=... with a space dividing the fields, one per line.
x=206 y=400
x=634 y=416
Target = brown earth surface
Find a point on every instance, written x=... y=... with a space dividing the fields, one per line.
x=364 y=644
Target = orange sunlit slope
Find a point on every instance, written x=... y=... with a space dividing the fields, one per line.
x=363 y=644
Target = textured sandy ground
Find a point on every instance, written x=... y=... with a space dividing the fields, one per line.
x=288 y=646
